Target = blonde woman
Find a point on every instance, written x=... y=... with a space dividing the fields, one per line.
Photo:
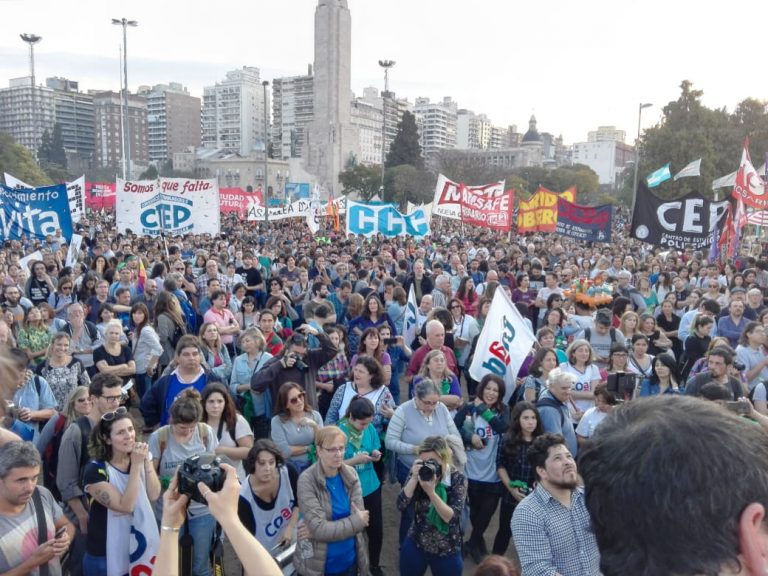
x=34 y=336
x=215 y=353
x=435 y=368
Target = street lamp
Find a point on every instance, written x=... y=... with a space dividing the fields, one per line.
x=126 y=129
x=31 y=40
x=637 y=152
x=386 y=64
x=265 y=83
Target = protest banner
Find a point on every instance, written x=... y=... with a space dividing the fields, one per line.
x=493 y=212
x=686 y=222
x=587 y=223
x=75 y=194
x=168 y=206
x=749 y=187
x=539 y=214
x=34 y=212
x=448 y=196
x=503 y=344
x=100 y=195
x=384 y=218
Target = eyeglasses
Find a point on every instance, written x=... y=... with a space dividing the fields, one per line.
x=337 y=450
x=296 y=399
x=110 y=416
x=66 y=288
x=428 y=402
x=112 y=399
x=455 y=307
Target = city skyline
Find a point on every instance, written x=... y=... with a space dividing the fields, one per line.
x=574 y=67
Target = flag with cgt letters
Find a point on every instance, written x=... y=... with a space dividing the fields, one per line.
x=503 y=344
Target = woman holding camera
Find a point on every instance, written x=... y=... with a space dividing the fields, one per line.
x=121 y=484
x=267 y=506
x=414 y=421
x=331 y=504
x=363 y=451
x=294 y=425
x=171 y=445
x=436 y=492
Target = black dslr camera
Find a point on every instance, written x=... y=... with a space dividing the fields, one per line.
x=429 y=470
x=200 y=468
x=299 y=363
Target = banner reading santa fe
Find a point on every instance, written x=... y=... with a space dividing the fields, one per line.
x=448 y=197
x=170 y=206
x=503 y=344
x=383 y=218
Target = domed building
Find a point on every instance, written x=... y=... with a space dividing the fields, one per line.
x=532 y=137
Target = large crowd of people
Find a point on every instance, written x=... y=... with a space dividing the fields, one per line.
x=284 y=354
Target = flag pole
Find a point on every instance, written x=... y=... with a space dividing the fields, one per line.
x=162 y=233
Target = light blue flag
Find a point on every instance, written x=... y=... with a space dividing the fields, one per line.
x=661 y=175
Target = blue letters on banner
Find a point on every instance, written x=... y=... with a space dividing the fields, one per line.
x=384 y=218
x=34 y=212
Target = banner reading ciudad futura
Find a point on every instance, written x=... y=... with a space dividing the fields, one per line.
x=168 y=206
x=685 y=222
x=383 y=218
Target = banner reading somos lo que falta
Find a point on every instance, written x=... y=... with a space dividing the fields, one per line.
x=170 y=206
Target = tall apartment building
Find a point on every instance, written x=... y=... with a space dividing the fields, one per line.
x=606 y=133
x=173 y=120
x=108 y=152
x=369 y=121
x=74 y=112
x=608 y=158
x=26 y=112
x=292 y=112
x=437 y=124
x=233 y=113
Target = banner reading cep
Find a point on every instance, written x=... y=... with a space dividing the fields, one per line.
x=170 y=206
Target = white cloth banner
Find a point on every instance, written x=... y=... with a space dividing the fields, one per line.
x=727 y=181
x=297 y=209
x=75 y=194
x=411 y=207
x=447 y=201
x=411 y=319
x=172 y=206
x=383 y=218
x=503 y=344
x=693 y=169
x=74 y=249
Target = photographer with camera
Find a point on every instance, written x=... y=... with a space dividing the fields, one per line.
x=172 y=445
x=121 y=483
x=222 y=504
x=437 y=493
x=296 y=363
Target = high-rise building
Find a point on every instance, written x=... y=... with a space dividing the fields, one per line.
x=74 y=113
x=437 y=124
x=292 y=112
x=233 y=113
x=173 y=120
x=108 y=153
x=331 y=139
x=26 y=112
x=369 y=121
x=606 y=133
x=608 y=158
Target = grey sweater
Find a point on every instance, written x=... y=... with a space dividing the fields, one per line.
x=408 y=428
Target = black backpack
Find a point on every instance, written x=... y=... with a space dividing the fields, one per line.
x=50 y=457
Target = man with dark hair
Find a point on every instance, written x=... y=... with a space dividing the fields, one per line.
x=719 y=361
x=643 y=472
x=732 y=325
x=23 y=506
x=551 y=526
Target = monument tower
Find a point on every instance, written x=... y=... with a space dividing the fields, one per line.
x=331 y=138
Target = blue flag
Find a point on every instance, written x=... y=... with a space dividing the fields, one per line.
x=659 y=176
x=34 y=212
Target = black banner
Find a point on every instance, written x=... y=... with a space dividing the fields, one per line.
x=681 y=223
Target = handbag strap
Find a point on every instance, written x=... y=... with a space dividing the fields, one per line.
x=42 y=527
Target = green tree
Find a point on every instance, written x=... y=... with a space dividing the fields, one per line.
x=51 y=150
x=464 y=166
x=149 y=174
x=406 y=183
x=362 y=180
x=18 y=161
x=405 y=148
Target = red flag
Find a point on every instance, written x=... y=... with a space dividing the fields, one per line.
x=749 y=187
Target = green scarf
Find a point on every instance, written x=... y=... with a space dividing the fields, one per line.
x=433 y=516
x=354 y=436
x=445 y=386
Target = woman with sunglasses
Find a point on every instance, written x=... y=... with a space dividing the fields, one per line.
x=62 y=297
x=331 y=504
x=170 y=445
x=121 y=484
x=294 y=425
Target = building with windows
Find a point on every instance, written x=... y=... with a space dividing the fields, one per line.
x=608 y=158
x=292 y=113
x=173 y=120
x=232 y=117
x=26 y=112
x=74 y=113
x=436 y=122
x=368 y=115
x=108 y=141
